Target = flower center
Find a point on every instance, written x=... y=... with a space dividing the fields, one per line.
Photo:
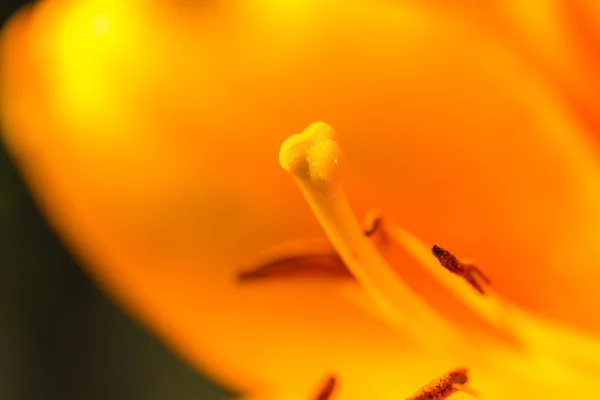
x=317 y=163
x=369 y=253
x=315 y=160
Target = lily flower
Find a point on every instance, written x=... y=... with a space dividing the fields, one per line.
x=153 y=134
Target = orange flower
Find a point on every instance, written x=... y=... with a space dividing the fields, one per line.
x=149 y=133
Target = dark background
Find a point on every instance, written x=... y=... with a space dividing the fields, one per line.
x=60 y=338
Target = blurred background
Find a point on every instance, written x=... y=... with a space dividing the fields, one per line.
x=60 y=337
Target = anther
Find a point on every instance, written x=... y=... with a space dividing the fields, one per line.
x=373 y=227
x=468 y=272
x=328 y=265
x=444 y=386
x=326 y=391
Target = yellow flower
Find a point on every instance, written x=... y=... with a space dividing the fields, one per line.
x=149 y=132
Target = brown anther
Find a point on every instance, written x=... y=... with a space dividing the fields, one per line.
x=373 y=228
x=468 y=272
x=326 y=391
x=444 y=386
x=301 y=265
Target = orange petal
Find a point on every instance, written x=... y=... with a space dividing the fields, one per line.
x=151 y=143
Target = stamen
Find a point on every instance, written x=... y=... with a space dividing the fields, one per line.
x=490 y=307
x=373 y=227
x=314 y=158
x=468 y=271
x=327 y=389
x=444 y=386
x=300 y=265
x=299 y=258
x=438 y=389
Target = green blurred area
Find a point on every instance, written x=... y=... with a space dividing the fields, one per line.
x=60 y=337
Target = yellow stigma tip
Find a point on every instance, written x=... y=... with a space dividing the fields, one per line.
x=313 y=155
